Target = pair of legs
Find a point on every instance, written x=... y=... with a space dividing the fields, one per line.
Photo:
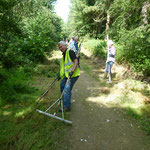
x=108 y=69
x=67 y=87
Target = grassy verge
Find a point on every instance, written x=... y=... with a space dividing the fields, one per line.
x=22 y=127
x=134 y=99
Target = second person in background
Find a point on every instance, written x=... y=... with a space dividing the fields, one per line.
x=110 y=59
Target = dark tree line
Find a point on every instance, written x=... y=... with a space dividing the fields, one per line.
x=128 y=27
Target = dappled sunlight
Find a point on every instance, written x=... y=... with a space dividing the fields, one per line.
x=86 y=52
x=98 y=99
x=126 y=95
x=56 y=55
x=6 y=110
x=132 y=89
x=120 y=70
x=100 y=71
x=7 y=113
x=98 y=90
x=123 y=94
x=23 y=112
x=102 y=96
x=106 y=100
x=118 y=100
x=120 y=86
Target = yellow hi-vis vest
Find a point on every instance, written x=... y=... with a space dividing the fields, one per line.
x=66 y=67
x=79 y=49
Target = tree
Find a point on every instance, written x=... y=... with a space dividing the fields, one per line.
x=28 y=30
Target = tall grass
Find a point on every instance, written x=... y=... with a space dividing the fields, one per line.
x=133 y=100
x=97 y=47
x=21 y=127
x=14 y=83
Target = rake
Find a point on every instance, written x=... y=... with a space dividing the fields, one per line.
x=58 y=102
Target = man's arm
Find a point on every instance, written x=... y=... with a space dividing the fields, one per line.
x=75 y=64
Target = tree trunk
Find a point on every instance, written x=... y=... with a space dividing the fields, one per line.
x=144 y=13
x=107 y=25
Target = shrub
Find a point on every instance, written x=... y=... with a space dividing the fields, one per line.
x=15 y=82
x=135 y=50
x=97 y=47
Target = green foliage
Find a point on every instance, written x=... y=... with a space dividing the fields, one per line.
x=46 y=70
x=19 y=113
x=126 y=20
x=56 y=61
x=136 y=45
x=97 y=47
x=142 y=119
x=22 y=125
x=31 y=32
x=8 y=20
x=126 y=27
x=42 y=35
x=148 y=15
x=88 y=17
x=124 y=16
x=119 y=56
x=14 y=83
x=12 y=52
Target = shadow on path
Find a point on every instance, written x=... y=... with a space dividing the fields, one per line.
x=98 y=125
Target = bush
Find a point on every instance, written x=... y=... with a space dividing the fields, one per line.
x=97 y=47
x=119 y=53
x=135 y=50
x=13 y=85
x=29 y=36
x=47 y=70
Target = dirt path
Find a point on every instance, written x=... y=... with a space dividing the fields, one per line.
x=99 y=125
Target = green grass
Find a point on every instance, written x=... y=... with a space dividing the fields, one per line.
x=86 y=68
x=132 y=100
x=22 y=127
x=142 y=119
x=26 y=129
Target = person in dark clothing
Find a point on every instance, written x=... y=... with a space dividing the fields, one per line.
x=78 y=48
x=69 y=73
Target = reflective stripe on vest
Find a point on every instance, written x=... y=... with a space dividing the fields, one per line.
x=68 y=63
x=66 y=66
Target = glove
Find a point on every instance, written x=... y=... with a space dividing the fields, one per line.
x=70 y=74
x=58 y=77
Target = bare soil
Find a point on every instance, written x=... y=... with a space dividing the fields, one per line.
x=97 y=123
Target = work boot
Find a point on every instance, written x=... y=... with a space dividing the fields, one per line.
x=65 y=109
